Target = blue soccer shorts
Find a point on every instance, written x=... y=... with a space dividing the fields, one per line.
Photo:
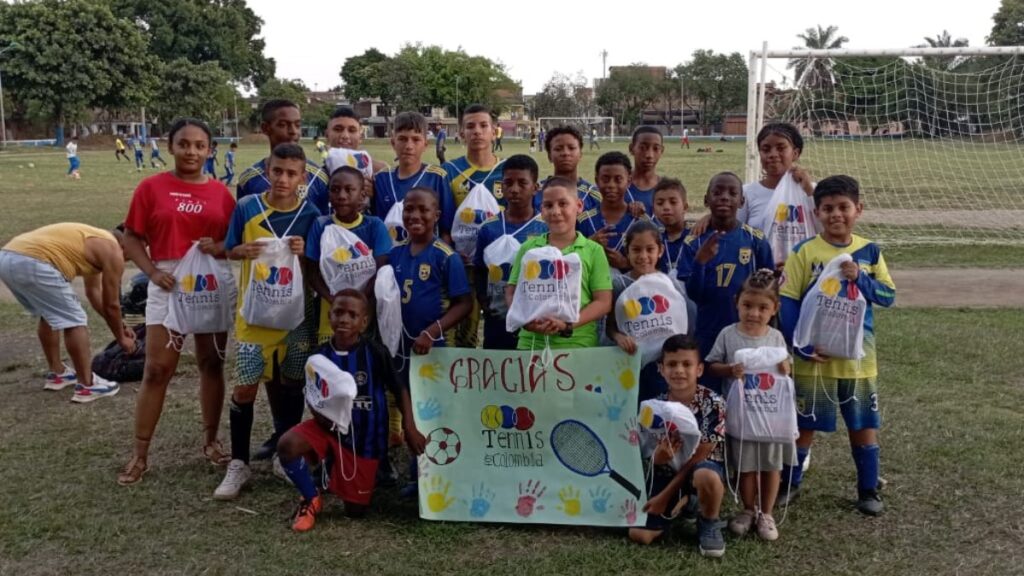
x=818 y=400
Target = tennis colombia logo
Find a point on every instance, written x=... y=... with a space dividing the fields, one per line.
x=199 y=290
x=273 y=283
x=646 y=316
x=760 y=393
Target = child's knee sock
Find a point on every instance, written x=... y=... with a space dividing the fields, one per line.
x=293 y=404
x=240 y=418
x=298 y=472
x=793 y=475
x=866 y=458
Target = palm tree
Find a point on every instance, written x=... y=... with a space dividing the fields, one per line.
x=944 y=40
x=817 y=72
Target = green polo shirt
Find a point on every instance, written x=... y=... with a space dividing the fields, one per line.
x=596 y=276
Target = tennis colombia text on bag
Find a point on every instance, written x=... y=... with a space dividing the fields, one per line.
x=200 y=302
x=274 y=296
x=762 y=405
x=650 y=310
x=345 y=260
x=832 y=315
x=478 y=206
x=789 y=218
x=549 y=286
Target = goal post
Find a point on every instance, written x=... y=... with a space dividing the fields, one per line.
x=605 y=125
x=935 y=136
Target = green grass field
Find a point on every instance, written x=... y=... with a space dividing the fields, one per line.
x=951 y=397
x=43 y=195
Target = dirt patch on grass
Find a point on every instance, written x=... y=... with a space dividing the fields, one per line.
x=959 y=288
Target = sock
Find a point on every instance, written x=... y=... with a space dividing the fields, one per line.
x=291 y=404
x=793 y=475
x=866 y=458
x=240 y=417
x=298 y=473
x=274 y=402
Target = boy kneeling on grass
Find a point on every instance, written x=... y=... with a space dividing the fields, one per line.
x=354 y=456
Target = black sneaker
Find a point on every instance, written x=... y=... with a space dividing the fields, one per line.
x=787 y=494
x=869 y=502
x=267 y=450
x=709 y=533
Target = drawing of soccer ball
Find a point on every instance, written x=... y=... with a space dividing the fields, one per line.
x=443 y=446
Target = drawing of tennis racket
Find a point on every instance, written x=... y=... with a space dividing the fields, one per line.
x=579 y=449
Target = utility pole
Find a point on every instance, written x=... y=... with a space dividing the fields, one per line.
x=3 y=121
x=604 y=64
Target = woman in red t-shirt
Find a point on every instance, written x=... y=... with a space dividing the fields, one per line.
x=168 y=212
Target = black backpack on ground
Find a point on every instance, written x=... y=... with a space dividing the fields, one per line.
x=113 y=364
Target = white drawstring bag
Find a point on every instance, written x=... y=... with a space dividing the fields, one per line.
x=201 y=300
x=832 y=315
x=389 y=308
x=789 y=218
x=659 y=418
x=330 y=391
x=499 y=257
x=274 y=296
x=393 y=221
x=478 y=206
x=762 y=405
x=345 y=260
x=650 y=310
x=549 y=286
x=358 y=159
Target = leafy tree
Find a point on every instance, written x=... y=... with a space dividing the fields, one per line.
x=717 y=81
x=943 y=40
x=363 y=75
x=564 y=96
x=201 y=91
x=627 y=91
x=817 y=72
x=1008 y=24
x=222 y=31
x=74 y=55
x=278 y=88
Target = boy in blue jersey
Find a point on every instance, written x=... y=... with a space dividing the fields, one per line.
x=270 y=355
x=210 y=167
x=479 y=167
x=646 y=148
x=345 y=130
x=282 y=123
x=409 y=141
x=519 y=220
x=564 y=147
x=670 y=208
x=432 y=281
x=229 y=164
x=441 y=144
x=822 y=382
x=354 y=456
x=608 y=222
x=154 y=154
x=137 y=147
x=720 y=260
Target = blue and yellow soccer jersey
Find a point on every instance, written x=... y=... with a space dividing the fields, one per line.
x=493 y=228
x=646 y=197
x=714 y=286
x=389 y=189
x=254 y=180
x=229 y=161
x=804 y=266
x=253 y=219
x=675 y=256
x=592 y=221
x=462 y=176
x=586 y=191
x=371 y=368
x=427 y=281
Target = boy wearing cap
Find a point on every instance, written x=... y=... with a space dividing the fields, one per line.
x=355 y=455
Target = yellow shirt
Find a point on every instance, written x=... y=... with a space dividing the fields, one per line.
x=61 y=245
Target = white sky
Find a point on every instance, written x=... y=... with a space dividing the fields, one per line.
x=310 y=39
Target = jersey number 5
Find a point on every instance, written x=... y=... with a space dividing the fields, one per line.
x=407 y=291
x=725 y=272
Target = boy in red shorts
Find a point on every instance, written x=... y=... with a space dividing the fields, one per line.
x=355 y=456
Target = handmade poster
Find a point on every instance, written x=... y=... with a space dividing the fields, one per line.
x=542 y=437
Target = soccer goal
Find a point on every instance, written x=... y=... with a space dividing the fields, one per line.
x=604 y=125
x=935 y=136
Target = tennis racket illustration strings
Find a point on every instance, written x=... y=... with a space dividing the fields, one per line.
x=579 y=449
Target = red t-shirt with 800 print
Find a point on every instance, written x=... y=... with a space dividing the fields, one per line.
x=172 y=214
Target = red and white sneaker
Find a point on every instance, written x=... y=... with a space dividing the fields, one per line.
x=99 y=389
x=60 y=381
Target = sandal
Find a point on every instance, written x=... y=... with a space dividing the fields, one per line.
x=214 y=453
x=132 y=473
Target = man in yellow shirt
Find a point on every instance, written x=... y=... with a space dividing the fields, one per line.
x=498 y=133
x=38 y=268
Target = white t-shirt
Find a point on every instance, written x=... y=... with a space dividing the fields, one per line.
x=756 y=198
x=72 y=149
x=686 y=132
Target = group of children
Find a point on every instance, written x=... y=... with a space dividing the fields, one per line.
x=630 y=223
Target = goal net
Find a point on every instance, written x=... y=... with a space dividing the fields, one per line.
x=601 y=128
x=936 y=142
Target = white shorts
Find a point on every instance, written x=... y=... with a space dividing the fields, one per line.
x=42 y=290
x=158 y=299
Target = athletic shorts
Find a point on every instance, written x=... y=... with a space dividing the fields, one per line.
x=659 y=482
x=255 y=363
x=301 y=342
x=158 y=299
x=352 y=478
x=818 y=399
x=42 y=290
